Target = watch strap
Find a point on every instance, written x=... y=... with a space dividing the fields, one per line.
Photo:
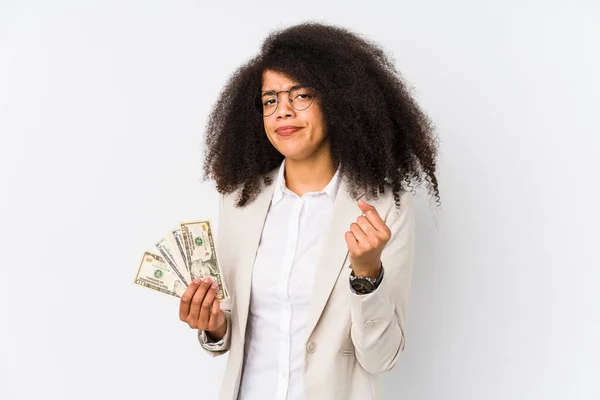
x=375 y=282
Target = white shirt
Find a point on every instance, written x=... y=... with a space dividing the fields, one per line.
x=282 y=283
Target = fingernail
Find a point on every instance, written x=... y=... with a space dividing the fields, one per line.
x=207 y=279
x=197 y=281
x=214 y=285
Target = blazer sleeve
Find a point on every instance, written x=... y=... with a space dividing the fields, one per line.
x=378 y=318
x=215 y=349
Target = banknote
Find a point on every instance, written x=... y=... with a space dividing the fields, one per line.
x=156 y=274
x=178 y=243
x=169 y=254
x=201 y=255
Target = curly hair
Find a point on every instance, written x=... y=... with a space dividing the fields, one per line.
x=377 y=131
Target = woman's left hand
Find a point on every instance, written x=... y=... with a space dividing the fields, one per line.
x=366 y=239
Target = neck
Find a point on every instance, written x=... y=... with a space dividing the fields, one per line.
x=311 y=175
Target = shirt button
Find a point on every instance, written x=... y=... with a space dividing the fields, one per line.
x=311 y=347
x=369 y=324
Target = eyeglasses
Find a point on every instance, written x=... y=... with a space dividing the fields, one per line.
x=300 y=99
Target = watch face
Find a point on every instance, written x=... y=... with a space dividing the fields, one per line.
x=362 y=286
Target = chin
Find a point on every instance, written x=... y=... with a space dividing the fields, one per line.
x=294 y=154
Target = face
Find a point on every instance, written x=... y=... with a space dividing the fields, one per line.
x=307 y=139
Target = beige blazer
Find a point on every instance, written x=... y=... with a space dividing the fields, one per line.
x=351 y=339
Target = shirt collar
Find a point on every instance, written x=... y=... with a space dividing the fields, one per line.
x=281 y=188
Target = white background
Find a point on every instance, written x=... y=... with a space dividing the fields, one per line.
x=102 y=114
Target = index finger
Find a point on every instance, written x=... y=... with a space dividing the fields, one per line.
x=186 y=300
x=373 y=217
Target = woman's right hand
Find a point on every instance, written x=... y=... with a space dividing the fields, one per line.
x=200 y=308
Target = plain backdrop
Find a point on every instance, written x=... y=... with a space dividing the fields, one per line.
x=103 y=106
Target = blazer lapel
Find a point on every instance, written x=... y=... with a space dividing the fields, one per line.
x=252 y=217
x=334 y=254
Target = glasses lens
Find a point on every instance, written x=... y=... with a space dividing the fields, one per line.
x=301 y=98
x=266 y=104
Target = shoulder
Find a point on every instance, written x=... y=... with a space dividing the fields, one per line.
x=229 y=200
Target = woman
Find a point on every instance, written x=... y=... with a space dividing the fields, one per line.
x=311 y=145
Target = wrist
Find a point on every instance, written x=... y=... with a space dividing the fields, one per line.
x=363 y=284
x=218 y=333
x=372 y=273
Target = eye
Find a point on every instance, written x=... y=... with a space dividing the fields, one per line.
x=301 y=93
x=269 y=102
x=302 y=96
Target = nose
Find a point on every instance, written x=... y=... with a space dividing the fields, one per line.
x=284 y=107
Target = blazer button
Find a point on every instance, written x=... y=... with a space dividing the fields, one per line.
x=311 y=347
x=369 y=324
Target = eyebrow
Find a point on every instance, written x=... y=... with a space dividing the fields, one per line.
x=273 y=91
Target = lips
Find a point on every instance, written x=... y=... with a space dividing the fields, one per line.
x=287 y=130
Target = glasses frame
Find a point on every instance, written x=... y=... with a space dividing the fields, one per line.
x=258 y=102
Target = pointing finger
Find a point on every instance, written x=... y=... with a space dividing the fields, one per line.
x=373 y=216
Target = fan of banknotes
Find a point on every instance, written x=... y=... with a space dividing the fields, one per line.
x=186 y=253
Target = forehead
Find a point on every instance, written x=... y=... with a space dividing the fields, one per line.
x=272 y=80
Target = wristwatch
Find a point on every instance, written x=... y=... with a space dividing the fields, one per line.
x=365 y=284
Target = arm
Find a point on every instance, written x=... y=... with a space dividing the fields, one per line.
x=378 y=318
x=215 y=348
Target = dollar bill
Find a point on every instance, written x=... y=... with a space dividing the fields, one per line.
x=154 y=273
x=169 y=253
x=178 y=243
x=201 y=254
